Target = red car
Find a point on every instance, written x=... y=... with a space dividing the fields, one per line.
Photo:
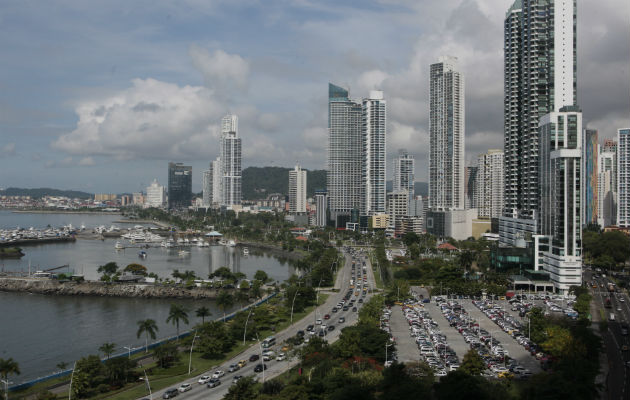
x=327 y=316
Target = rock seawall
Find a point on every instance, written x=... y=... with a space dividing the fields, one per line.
x=140 y=290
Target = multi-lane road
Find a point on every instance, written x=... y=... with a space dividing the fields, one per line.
x=616 y=339
x=345 y=277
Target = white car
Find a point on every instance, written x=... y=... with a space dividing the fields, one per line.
x=217 y=374
x=281 y=357
x=184 y=387
x=204 y=379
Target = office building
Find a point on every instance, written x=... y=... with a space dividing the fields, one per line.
x=137 y=198
x=404 y=173
x=456 y=224
x=217 y=181
x=297 y=190
x=105 y=197
x=207 y=188
x=125 y=200
x=345 y=155
x=155 y=195
x=374 y=130
x=321 y=207
x=590 y=158
x=489 y=183
x=397 y=206
x=179 y=185
x=623 y=178
x=470 y=193
x=446 y=128
x=230 y=162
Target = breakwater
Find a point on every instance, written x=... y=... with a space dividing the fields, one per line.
x=32 y=242
x=101 y=289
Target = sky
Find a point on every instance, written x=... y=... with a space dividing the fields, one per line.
x=100 y=96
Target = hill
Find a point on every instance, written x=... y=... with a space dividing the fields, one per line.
x=259 y=182
x=38 y=193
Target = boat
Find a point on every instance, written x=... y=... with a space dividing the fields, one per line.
x=223 y=242
x=200 y=243
x=183 y=253
x=119 y=246
x=231 y=243
x=142 y=254
x=245 y=251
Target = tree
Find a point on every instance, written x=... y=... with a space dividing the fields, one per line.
x=256 y=290
x=472 y=363
x=149 y=328
x=62 y=365
x=177 y=313
x=261 y=275
x=107 y=349
x=225 y=300
x=8 y=367
x=136 y=269
x=120 y=370
x=241 y=297
x=166 y=354
x=203 y=312
x=244 y=389
x=110 y=268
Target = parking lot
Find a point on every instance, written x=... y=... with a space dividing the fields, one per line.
x=406 y=345
x=455 y=340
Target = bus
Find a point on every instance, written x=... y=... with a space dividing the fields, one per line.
x=269 y=342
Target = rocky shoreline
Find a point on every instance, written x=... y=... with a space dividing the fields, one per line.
x=100 y=289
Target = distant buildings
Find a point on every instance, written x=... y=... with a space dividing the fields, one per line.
x=489 y=184
x=207 y=188
x=404 y=173
x=397 y=207
x=623 y=182
x=590 y=160
x=297 y=190
x=446 y=128
x=321 y=207
x=607 y=187
x=155 y=195
x=179 y=185
x=217 y=181
x=374 y=131
x=231 y=152
x=103 y=197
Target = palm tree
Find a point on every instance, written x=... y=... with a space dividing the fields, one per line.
x=176 y=314
x=241 y=297
x=107 y=349
x=225 y=300
x=8 y=367
x=149 y=328
x=62 y=365
x=203 y=312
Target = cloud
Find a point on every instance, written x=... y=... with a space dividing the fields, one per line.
x=150 y=120
x=86 y=162
x=7 y=150
x=221 y=71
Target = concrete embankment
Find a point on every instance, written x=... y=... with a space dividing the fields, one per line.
x=29 y=242
x=53 y=287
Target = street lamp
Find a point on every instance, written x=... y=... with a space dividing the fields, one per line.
x=148 y=385
x=191 y=350
x=71 y=376
x=128 y=350
x=293 y=302
x=6 y=388
x=246 y=321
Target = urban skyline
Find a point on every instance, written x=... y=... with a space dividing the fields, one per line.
x=74 y=95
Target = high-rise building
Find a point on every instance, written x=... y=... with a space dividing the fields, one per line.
x=446 y=127
x=297 y=190
x=590 y=158
x=374 y=129
x=345 y=155
x=207 y=187
x=490 y=187
x=155 y=195
x=607 y=184
x=404 y=173
x=471 y=195
x=217 y=181
x=623 y=178
x=321 y=207
x=137 y=198
x=397 y=206
x=179 y=185
x=230 y=161
x=560 y=185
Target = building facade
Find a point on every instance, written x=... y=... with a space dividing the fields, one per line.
x=490 y=185
x=297 y=190
x=179 y=185
x=231 y=151
x=206 y=186
x=321 y=207
x=623 y=178
x=216 y=167
x=374 y=132
x=590 y=158
x=404 y=173
x=397 y=206
x=155 y=195
x=447 y=131
x=470 y=193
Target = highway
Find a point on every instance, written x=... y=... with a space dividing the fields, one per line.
x=615 y=341
x=275 y=368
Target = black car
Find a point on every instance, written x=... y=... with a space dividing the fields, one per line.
x=260 y=367
x=300 y=333
x=170 y=393
x=345 y=308
x=213 y=383
x=322 y=333
x=254 y=357
x=331 y=327
x=310 y=328
x=354 y=309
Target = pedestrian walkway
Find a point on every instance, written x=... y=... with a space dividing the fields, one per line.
x=454 y=339
x=406 y=346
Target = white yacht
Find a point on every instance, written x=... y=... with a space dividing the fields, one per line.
x=245 y=251
x=119 y=246
x=231 y=243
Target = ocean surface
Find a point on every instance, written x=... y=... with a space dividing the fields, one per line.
x=40 y=331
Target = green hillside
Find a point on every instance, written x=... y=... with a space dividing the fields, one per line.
x=259 y=182
x=41 y=192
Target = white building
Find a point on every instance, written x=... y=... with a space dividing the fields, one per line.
x=397 y=206
x=207 y=188
x=217 y=181
x=155 y=195
x=404 y=173
x=231 y=161
x=606 y=187
x=374 y=129
x=623 y=178
x=297 y=190
x=490 y=184
x=321 y=207
x=445 y=223
x=447 y=130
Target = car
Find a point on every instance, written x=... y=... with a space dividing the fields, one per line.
x=214 y=382
x=268 y=356
x=322 y=333
x=234 y=367
x=354 y=309
x=242 y=363
x=345 y=308
x=334 y=309
x=170 y=393
x=310 y=328
x=281 y=357
x=254 y=357
x=217 y=374
x=204 y=379
x=327 y=316
x=318 y=321
x=342 y=320
x=184 y=387
x=300 y=333
x=331 y=328
x=260 y=367
x=236 y=378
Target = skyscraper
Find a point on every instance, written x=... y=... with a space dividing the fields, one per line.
x=471 y=173
x=297 y=190
x=374 y=151
x=590 y=193
x=446 y=116
x=230 y=161
x=217 y=181
x=155 y=195
x=207 y=187
x=404 y=173
x=623 y=178
x=607 y=184
x=489 y=182
x=179 y=185
x=345 y=155
x=321 y=205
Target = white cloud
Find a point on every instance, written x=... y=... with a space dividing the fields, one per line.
x=86 y=162
x=220 y=69
x=7 y=150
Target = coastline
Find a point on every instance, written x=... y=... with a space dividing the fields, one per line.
x=65 y=212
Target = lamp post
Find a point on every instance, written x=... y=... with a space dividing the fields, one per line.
x=71 y=377
x=148 y=385
x=6 y=388
x=293 y=302
x=128 y=348
x=246 y=321
x=191 y=350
